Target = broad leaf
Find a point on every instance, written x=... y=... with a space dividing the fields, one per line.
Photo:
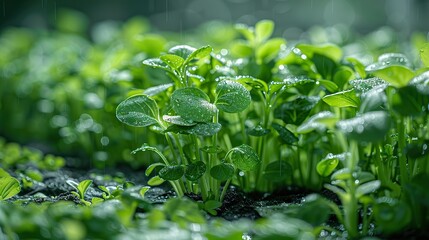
x=183 y=51
x=244 y=157
x=156 y=63
x=398 y=76
x=232 y=97
x=152 y=167
x=178 y=120
x=249 y=82
x=195 y=171
x=193 y=104
x=222 y=172
x=172 y=173
x=152 y=91
x=365 y=85
x=286 y=136
x=199 y=53
x=277 y=171
x=9 y=187
x=174 y=61
x=296 y=111
x=342 y=99
x=138 y=111
x=328 y=50
x=368 y=127
x=257 y=131
x=201 y=129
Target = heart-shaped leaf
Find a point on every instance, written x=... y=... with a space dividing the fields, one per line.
x=195 y=171
x=232 y=97
x=193 y=104
x=244 y=157
x=222 y=172
x=277 y=171
x=172 y=173
x=138 y=111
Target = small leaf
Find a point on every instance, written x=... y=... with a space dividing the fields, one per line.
x=199 y=53
x=327 y=166
x=263 y=30
x=244 y=157
x=222 y=172
x=269 y=50
x=424 y=54
x=368 y=127
x=138 y=111
x=296 y=111
x=328 y=50
x=9 y=187
x=82 y=187
x=155 y=181
x=171 y=173
x=329 y=85
x=193 y=104
x=365 y=85
x=152 y=167
x=195 y=171
x=286 y=136
x=143 y=191
x=319 y=122
x=342 y=99
x=367 y=188
x=174 y=61
x=257 y=131
x=232 y=97
x=200 y=129
x=341 y=174
x=277 y=171
x=358 y=66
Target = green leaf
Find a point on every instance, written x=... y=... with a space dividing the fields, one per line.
x=296 y=111
x=241 y=49
x=277 y=171
x=391 y=215
x=172 y=173
x=183 y=51
x=246 y=31
x=328 y=50
x=289 y=82
x=424 y=54
x=9 y=187
x=319 y=122
x=143 y=191
x=368 y=127
x=155 y=181
x=156 y=63
x=178 y=120
x=327 y=166
x=398 y=76
x=174 y=61
x=3 y=173
x=329 y=85
x=286 y=136
x=152 y=167
x=365 y=85
x=193 y=104
x=409 y=100
x=82 y=187
x=232 y=97
x=222 y=172
x=341 y=174
x=195 y=171
x=249 y=82
x=257 y=131
x=244 y=157
x=263 y=30
x=367 y=188
x=358 y=66
x=138 y=111
x=199 y=53
x=201 y=129
x=269 y=50
x=325 y=66
x=346 y=98
x=374 y=100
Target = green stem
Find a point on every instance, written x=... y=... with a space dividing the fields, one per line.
x=224 y=190
x=401 y=146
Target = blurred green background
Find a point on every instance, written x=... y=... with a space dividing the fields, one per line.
x=291 y=16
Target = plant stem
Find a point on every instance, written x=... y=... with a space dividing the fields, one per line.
x=401 y=146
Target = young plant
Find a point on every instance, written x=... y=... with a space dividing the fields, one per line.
x=189 y=121
x=81 y=189
x=9 y=186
